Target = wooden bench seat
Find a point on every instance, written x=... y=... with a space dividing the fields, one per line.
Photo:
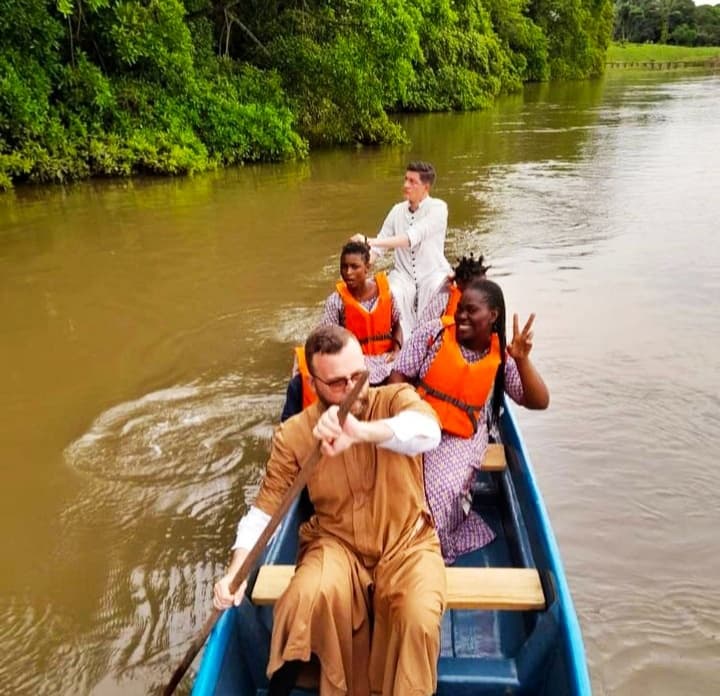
x=467 y=588
x=494 y=458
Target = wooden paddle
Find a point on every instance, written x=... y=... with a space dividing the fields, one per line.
x=254 y=555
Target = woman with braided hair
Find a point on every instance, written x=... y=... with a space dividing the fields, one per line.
x=445 y=300
x=462 y=366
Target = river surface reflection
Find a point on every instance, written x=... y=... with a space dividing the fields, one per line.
x=146 y=336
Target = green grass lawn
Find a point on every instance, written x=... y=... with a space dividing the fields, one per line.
x=659 y=52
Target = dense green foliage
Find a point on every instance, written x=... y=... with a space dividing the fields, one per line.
x=678 y=22
x=115 y=87
x=578 y=32
x=110 y=88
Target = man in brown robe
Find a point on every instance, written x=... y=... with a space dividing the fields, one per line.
x=369 y=591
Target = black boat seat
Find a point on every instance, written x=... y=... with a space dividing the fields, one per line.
x=517 y=589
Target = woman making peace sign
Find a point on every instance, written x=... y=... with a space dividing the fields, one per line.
x=462 y=366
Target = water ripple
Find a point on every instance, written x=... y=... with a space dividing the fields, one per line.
x=184 y=460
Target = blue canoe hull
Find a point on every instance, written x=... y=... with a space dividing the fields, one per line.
x=482 y=652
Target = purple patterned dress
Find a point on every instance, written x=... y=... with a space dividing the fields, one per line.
x=334 y=313
x=450 y=468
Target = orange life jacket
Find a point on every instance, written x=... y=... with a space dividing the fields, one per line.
x=457 y=389
x=373 y=329
x=309 y=396
x=452 y=302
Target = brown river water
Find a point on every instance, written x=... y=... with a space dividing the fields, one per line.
x=145 y=338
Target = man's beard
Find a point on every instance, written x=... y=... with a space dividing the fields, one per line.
x=358 y=409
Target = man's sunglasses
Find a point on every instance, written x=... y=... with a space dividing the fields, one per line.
x=341 y=383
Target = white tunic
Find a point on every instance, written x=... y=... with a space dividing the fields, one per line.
x=421 y=269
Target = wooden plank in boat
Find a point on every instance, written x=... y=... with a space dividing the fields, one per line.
x=516 y=589
x=494 y=458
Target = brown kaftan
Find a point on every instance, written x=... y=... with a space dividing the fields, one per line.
x=369 y=591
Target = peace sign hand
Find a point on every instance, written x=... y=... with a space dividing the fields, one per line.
x=521 y=344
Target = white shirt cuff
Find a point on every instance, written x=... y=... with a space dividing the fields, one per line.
x=250 y=527
x=413 y=433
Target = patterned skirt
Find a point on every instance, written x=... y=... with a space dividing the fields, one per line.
x=449 y=472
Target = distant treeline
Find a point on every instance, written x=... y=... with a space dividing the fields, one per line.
x=115 y=87
x=678 y=22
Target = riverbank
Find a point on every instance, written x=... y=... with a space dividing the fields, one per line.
x=120 y=89
x=659 y=53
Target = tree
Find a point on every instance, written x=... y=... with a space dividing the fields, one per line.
x=114 y=87
x=637 y=21
x=578 y=32
x=707 y=23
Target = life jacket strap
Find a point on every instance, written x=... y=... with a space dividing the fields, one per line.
x=381 y=337
x=468 y=409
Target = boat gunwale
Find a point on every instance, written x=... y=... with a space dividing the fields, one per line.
x=570 y=625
